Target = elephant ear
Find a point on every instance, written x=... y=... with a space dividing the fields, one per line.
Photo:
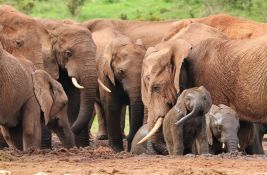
x=208 y=118
x=49 y=94
x=108 y=56
x=107 y=65
x=50 y=62
x=180 y=104
x=181 y=50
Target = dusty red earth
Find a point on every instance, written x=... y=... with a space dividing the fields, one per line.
x=100 y=159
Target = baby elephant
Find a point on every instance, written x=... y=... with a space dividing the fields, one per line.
x=185 y=123
x=222 y=125
x=145 y=147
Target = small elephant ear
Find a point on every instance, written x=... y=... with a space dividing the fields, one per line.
x=107 y=65
x=208 y=128
x=181 y=50
x=208 y=118
x=180 y=104
x=42 y=90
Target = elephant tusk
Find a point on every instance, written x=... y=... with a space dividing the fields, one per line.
x=153 y=131
x=103 y=86
x=223 y=146
x=76 y=84
x=238 y=146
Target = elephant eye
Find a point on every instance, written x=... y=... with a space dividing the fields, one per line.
x=155 y=88
x=121 y=73
x=67 y=54
x=19 y=43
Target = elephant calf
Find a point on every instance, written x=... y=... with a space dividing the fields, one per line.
x=145 y=147
x=222 y=125
x=185 y=122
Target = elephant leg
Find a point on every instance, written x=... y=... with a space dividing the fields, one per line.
x=178 y=140
x=7 y=137
x=123 y=115
x=202 y=137
x=113 y=109
x=31 y=133
x=46 y=141
x=3 y=143
x=102 y=129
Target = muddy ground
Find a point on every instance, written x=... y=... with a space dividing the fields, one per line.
x=100 y=159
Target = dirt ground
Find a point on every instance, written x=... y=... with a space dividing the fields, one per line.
x=99 y=159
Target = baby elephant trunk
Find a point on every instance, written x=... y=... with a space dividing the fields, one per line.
x=232 y=145
x=193 y=113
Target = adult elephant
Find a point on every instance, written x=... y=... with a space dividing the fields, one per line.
x=161 y=76
x=71 y=60
x=24 y=91
x=150 y=32
x=20 y=36
x=119 y=62
x=233 y=27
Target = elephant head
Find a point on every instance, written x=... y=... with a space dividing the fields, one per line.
x=161 y=82
x=74 y=52
x=20 y=35
x=122 y=62
x=222 y=124
x=53 y=102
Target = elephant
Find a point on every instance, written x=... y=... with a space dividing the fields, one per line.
x=160 y=78
x=222 y=126
x=69 y=57
x=185 y=122
x=19 y=35
x=143 y=148
x=233 y=73
x=23 y=34
x=150 y=32
x=25 y=92
x=233 y=27
x=119 y=62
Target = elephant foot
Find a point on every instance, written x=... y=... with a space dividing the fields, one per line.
x=206 y=155
x=102 y=137
x=116 y=146
x=190 y=155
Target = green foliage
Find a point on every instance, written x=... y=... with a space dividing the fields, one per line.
x=74 y=6
x=82 y=10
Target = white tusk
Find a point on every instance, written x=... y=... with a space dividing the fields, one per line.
x=223 y=146
x=103 y=86
x=153 y=131
x=238 y=145
x=76 y=84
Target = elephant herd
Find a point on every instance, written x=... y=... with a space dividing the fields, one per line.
x=194 y=86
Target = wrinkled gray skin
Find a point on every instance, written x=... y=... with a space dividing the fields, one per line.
x=185 y=122
x=24 y=92
x=222 y=125
x=145 y=147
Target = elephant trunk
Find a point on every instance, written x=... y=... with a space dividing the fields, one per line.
x=232 y=145
x=65 y=136
x=193 y=113
x=136 y=113
x=87 y=99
